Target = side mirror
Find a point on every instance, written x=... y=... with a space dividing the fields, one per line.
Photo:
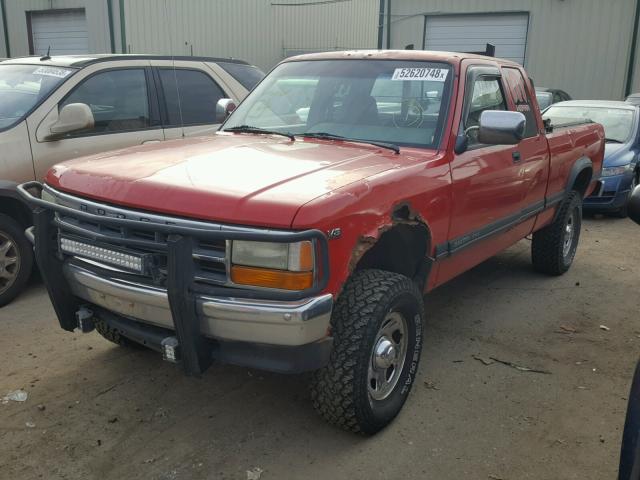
x=499 y=127
x=72 y=118
x=634 y=205
x=224 y=108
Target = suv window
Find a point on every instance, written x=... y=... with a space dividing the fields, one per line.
x=117 y=98
x=487 y=95
x=518 y=88
x=192 y=91
x=247 y=75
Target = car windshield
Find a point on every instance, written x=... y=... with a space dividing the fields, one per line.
x=23 y=86
x=617 y=122
x=396 y=102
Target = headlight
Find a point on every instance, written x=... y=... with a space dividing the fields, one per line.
x=611 y=171
x=285 y=266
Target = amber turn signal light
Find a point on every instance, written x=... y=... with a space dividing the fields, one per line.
x=263 y=277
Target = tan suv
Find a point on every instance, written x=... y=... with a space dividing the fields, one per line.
x=57 y=108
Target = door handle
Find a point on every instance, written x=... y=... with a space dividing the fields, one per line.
x=516 y=156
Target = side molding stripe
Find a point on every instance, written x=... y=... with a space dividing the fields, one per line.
x=455 y=245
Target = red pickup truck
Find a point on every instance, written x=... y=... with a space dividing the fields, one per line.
x=302 y=236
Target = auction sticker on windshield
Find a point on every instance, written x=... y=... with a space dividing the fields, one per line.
x=52 y=72
x=419 y=73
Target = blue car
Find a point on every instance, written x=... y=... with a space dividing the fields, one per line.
x=621 y=167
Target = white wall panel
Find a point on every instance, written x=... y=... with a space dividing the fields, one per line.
x=96 y=14
x=581 y=46
x=60 y=32
x=471 y=33
x=259 y=31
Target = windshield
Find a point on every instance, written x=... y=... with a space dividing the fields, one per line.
x=398 y=102
x=617 y=122
x=23 y=86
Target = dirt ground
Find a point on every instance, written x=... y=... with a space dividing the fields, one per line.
x=99 y=411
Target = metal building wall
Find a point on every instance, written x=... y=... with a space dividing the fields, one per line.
x=262 y=32
x=97 y=22
x=582 y=46
x=3 y=49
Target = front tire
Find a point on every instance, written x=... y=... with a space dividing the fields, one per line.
x=554 y=247
x=377 y=327
x=16 y=259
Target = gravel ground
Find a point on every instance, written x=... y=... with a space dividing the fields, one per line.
x=99 y=411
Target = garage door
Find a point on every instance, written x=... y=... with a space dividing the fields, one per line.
x=471 y=33
x=65 y=32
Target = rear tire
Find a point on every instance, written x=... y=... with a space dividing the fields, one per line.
x=16 y=259
x=377 y=328
x=554 y=247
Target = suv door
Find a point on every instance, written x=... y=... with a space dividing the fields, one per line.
x=124 y=105
x=189 y=92
x=487 y=184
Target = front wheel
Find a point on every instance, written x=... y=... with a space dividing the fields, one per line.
x=554 y=247
x=16 y=259
x=377 y=328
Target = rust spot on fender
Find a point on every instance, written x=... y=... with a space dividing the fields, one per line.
x=363 y=245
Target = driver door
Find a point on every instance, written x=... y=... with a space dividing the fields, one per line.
x=487 y=182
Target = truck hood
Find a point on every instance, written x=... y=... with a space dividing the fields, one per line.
x=232 y=178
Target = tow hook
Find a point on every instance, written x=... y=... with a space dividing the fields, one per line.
x=84 y=317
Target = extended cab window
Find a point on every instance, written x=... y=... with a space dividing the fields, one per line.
x=399 y=102
x=486 y=95
x=191 y=96
x=117 y=98
x=520 y=95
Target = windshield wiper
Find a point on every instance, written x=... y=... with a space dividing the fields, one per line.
x=612 y=140
x=330 y=136
x=258 y=130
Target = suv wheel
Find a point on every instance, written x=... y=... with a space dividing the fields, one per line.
x=16 y=259
x=554 y=247
x=377 y=329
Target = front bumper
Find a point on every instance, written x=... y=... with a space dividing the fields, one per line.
x=610 y=194
x=207 y=319
x=286 y=323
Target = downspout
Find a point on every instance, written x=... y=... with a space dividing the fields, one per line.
x=632 y=54
x=3 y=12
x=389 y=24
x=111 y=34
x=123 y=26
x=381 y=25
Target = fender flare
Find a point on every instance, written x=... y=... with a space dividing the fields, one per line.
x=580 y=165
